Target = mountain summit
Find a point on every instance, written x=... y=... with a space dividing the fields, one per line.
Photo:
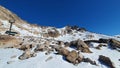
x=25 y=45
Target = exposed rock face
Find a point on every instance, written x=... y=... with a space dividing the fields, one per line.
x=105 y=60
x=114 y=43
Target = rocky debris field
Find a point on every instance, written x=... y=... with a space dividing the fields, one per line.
x=72 y=52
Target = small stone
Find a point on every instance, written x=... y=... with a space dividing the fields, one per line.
x=14 y=56
x=49 y=58
x=9 y=62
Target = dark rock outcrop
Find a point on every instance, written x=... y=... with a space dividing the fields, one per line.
x=101 y=40
x=89 y=61
x=106 y=61
x=114 y=44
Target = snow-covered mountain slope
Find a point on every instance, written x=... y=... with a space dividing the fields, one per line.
x=49 y=47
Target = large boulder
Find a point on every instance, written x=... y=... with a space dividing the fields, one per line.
x=72 y=56
x=81 y=45
x=106 y=61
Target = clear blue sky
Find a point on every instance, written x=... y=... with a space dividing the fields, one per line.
x=100 y=16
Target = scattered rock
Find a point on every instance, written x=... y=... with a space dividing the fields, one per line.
x=89 y=60
x=9 y=62
x=14 y=56
x=49 y=58
x=99 y=46
x=27 y=54
x=40 y=48
x=106 y=61
x=67 y=44
x=49 y=51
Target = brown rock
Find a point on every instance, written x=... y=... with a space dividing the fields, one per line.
x=89 y=60
x=85 y=50
x=53 y=33
x=72 y=56
x=23 y=47
x=81 y=45
x=27 y=54
x=40 y=48
x=80 y=58
x=62 y=51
